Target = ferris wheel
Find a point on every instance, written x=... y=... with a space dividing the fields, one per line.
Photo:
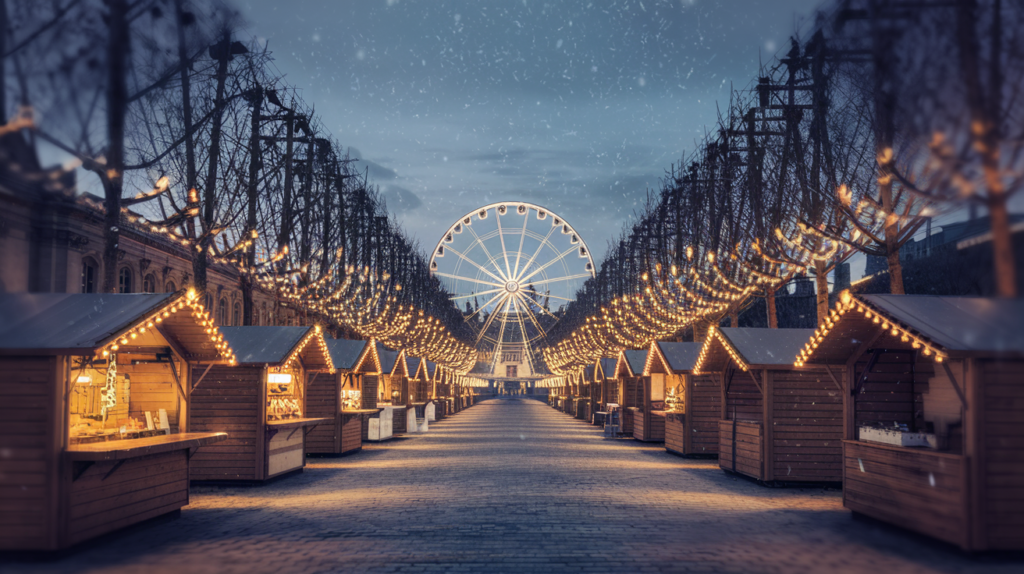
x=511 y=268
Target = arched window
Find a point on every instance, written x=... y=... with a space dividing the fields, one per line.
x=222 y=312
x=170 y=287
x=124 y=280
x=236 y=314
x=90 y=274
x=149 y=283
x=209 y=303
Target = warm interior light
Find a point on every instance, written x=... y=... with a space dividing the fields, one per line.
x=84 y=379
x=279 y=378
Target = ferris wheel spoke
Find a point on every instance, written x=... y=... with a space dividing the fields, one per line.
x=477 y=265
x=504 y=250
x=454 y=297
x=490 y=319
x=533 y=257
x=522 y=238
x=530 y=315
x=475 y=313
x=483 y=246
x=560 y=257
x=558 y=297
x=555 y=279
x=470 y=279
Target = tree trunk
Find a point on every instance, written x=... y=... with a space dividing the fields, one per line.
x=286 y=203
x=3 y=62
x=821 y=280
x=885 y=129
x=186 y=112
x=199 y=264
x=252 y=193
x=773 y=315
x=117 y=108
x=985 y=113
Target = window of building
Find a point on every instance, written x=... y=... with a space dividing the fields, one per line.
x=124 y=280
x=222 y=312
x=149 y=284
x=170 y=287
x=264 y=316
x=90 y=273
x=236 y=314
x=511 y=371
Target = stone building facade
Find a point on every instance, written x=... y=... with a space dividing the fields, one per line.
x=51 y=241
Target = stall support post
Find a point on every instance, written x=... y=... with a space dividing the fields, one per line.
x=767 y=429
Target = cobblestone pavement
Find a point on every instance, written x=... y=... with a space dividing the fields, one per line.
x=514 y=486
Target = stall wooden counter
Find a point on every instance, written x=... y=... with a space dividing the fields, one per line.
x=338 y=396
x=780 y=423
x=933 y=392
x=260 y=401
x=693 y=403
x=97 y=389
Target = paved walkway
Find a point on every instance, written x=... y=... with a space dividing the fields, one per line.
x=514 y=486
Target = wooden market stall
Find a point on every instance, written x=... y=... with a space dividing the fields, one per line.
x=933 y=413
x=419 y=390
x=779 y=423
x=607 y=387
x=260 y=401
x=338 y=397
x=693 y=403
x=93 y=425
x=393 y=394
x=433 y=376
x=629 y=370
x=583 y=404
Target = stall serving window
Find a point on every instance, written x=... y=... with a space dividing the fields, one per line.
x=125 y=396
x=675 y=393
x=284 y=394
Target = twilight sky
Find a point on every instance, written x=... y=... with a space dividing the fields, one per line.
x=579 y=106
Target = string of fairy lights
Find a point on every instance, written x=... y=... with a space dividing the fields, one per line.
x=363 y=299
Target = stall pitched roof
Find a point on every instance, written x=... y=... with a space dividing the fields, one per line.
x=965 y=324
x=678 y=357
x=412 y=366
x=633 y=360
x=751 y=346
x=761 y=346
x=607 y=367
x=938 y=324
x=431 y=370
x=67 y=321
x=588 y=373
x=345 y=353
x=388 y=359
x=83 y=323
x=263 y=345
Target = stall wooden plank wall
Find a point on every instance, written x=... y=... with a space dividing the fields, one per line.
x=31 y=428
x=704 y=409
x=369 y=399
x=231 y=400
x=740 y=434
x=1001 y=442
x=322 y=397
x=631 y=388
x=142 y=488
x=806 y=426
x=893 y=386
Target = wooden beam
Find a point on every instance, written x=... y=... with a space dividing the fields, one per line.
x=956 y=385
x=201 y=377
x=828 y=369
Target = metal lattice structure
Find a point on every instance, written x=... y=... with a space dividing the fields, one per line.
x=511 y=268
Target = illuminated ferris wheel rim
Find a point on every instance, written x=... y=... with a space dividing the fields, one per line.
x=522 y=208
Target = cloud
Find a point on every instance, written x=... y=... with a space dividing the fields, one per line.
x=399 y=199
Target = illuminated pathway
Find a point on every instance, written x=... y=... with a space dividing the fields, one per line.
x=514 y=486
